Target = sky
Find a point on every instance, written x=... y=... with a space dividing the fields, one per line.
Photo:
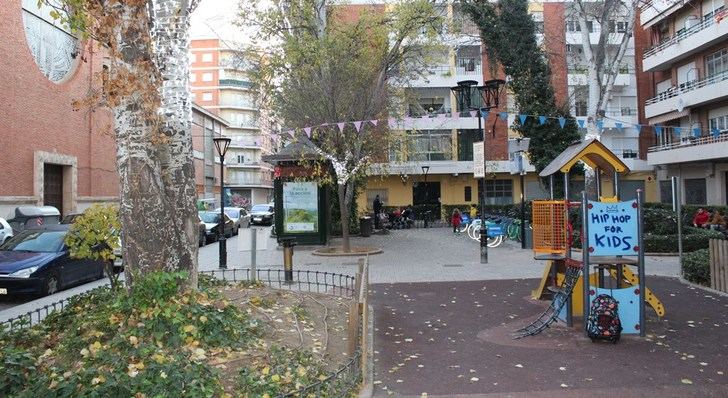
x=214 y=19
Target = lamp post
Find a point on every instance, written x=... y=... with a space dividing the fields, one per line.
x=425 y=170
x=517 y=147
x=490 y=93
x=222 y=144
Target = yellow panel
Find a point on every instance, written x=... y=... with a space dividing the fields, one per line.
x=608 y=199
x=595 y=149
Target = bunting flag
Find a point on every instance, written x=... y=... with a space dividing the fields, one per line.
x=374 y=121
x=696 y=132
x=677 y=130
x=562 y=121
x=357 y=125
x=485 y=114
x=581 y=123
x=291 y=132
x=522 y=118
x=600 y=125
x=341 y=126
x=542 y=120
x=308 y=131
x=473 y=113
x=391 y=120
x=638 y=127
x=503 y=115
x=618 y=126
x=441 y=115
x=456 y=115
x=715 y=132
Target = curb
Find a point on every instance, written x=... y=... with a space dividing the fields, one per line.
x=701 y=287
x=367 y=388
x=370 y=251
x=646 y=254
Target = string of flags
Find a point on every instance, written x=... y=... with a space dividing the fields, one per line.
x=601 y=125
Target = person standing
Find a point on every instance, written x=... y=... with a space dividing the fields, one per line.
x=473 y=212
x=456 y=219
x=377 y=210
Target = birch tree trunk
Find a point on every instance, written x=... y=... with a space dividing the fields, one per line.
x=154 y=144
x=344 y=212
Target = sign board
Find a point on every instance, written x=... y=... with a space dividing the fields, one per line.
x=300 y=207
x=517 y=163
x=613 y=229
x=518 y=144
x=478 y=160
x=245 y=238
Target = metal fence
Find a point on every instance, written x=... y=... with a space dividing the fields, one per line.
x=341 y=382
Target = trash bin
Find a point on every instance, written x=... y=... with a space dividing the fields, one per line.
x=365 y=226
x=288 y=244
x=529 y=236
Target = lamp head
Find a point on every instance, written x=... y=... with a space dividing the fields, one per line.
x=221 y=144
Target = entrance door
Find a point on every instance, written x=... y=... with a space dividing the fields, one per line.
x=53 y=186
x=426 y=197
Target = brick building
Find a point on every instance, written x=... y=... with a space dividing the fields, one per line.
x=50 y=153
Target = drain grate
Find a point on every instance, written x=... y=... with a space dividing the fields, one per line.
x=453 y=265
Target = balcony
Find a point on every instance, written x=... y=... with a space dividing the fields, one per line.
x=448 y=76
x=689 y=149
x=653 y=11
x=578 y=77
x=244 y=142
x=249 y=165
x=685 y=43
x=234 y=180
x=236 y=83
x=688 y=94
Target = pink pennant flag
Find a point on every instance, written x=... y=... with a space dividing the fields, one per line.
x=357 y=125
x=456 y=115
x=308 y=131
x=374 y=121
x=291 y=132
x=473 y=113
x=341 y=126
x=391 y=120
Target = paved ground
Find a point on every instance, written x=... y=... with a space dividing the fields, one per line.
x=452 y=339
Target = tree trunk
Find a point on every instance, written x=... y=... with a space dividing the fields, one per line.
x=344 y=215
x=154 y=149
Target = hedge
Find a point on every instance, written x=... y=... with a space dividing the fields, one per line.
x=694 y=239
x=696 y=267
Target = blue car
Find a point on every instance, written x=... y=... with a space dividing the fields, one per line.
x=36 y=262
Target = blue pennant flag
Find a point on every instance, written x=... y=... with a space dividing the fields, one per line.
x=523 y=118
x=697 y=132
x=542 y=120
x=658 y=130
x=600 y=124
x=618 y=126
x=581 y=122
x=638 y=127
x=562 y=121
x=678 y=130
x=503 y=115
x=484 y=113
x=716 y=133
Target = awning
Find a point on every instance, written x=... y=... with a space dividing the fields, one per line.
x=669 y=116
x=592 y=152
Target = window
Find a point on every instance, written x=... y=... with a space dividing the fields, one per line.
x=499 y=192
x=207 y=57
x=207 y=96
x=628 y=189
x=580 y=107
x=573 y=26
x=383 y=196
x=193 y=95
x=590 y=26
x=719 y=123
x=695 y=191
x=466 y=138
x=538 y=25
x=53 y=47
x=430 y=145
x=193 y=77
x=617 y=26
x=629 y=154
x=207 y=77
x=626 y=111
x=666 y=192
x=241 y=159
x=716 y=63
x=193 y=58
x=468 y=193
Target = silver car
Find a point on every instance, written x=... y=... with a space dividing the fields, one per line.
x=6 y=232
x=240 y=217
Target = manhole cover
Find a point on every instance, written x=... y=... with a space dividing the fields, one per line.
x=452 y=265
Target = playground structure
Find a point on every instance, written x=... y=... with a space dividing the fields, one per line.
x=611 y=239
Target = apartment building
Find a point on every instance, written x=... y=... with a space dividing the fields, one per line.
x=684 y=91
x=220 y=84
x=205 y=127
x=437 y=166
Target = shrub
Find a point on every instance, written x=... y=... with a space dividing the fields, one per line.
x=696 y=267
x=693 y=239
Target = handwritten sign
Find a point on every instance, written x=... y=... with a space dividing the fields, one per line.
x=613 y=229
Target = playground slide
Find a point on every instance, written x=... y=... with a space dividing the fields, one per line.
x=650 y=297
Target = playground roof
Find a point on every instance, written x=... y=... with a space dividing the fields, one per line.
x=592 y=152
x=293 y=152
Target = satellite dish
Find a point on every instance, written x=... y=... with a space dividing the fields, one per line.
x=680 y=104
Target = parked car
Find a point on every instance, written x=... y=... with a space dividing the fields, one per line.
x=6 y=231
x=262 y=214
x=36 y=261
x=240 y=217
x=34 y=216
x=212 y=225
x=202 y=228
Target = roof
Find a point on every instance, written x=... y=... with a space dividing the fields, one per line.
x=592 y=152
x=198 y=108
x=297 y=150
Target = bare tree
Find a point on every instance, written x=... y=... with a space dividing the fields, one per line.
x=145 y=84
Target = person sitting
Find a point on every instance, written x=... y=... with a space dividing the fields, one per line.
x=718 y=221
x=701 y=219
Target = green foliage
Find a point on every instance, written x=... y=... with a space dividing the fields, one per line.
x=508 y=32
x=95 y=235
x=153 y=340
x=284 y=371
x=693 y=239
x=696 y=267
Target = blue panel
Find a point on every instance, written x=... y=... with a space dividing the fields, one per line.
x=613 y=229
x=629 y=306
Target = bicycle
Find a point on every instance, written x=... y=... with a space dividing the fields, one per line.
x=494 y=238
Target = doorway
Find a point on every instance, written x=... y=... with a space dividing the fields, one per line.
x=426 y=198
x=53 y=186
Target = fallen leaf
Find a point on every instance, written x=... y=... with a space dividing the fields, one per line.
x=518 y=365
x=686 y=381
x=474 y=379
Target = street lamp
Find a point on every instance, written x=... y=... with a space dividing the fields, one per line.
x=490 y=93
x=425 y=170
x=222 y=144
